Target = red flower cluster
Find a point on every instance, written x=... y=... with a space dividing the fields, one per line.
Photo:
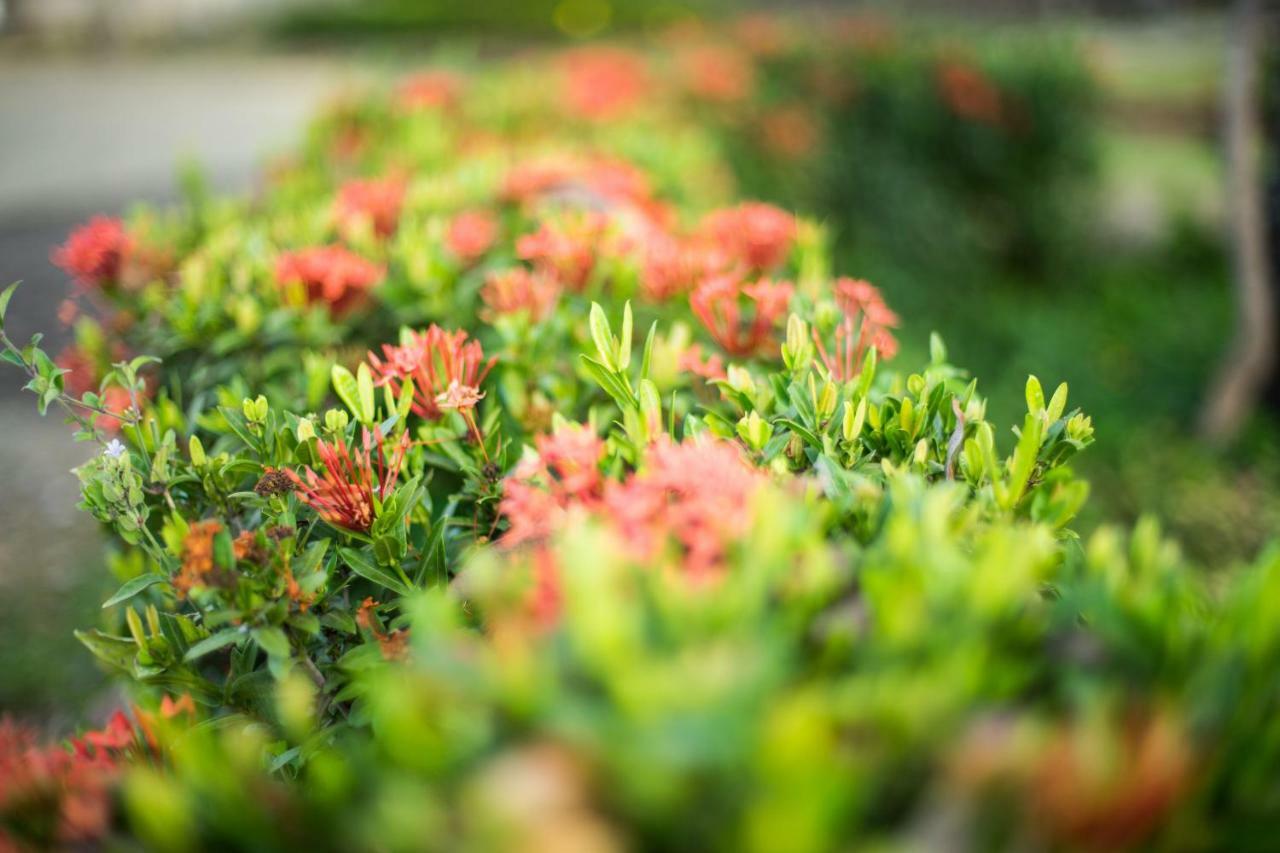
x=719 y=303
x=602 y=179
x=517 y=291
x=695 y=495
x=375 y=203
x=430 y=90
x=540 y=493
x=355 y=480
x=71 y=786
x=329 y=275
x=472 y=234
x=603 y=83
x=95 y=253
x=446 y=369
x=756 y=235
x=716 y=73
x=969 y=93
x=866 y=321
x=565 y=248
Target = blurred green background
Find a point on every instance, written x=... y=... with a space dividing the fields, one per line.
x=1125 y=291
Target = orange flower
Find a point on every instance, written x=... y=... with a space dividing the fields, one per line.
x=355 y=481
x=719 y=302
x=790 y=132
x=446 y=368
x=330 y=276
x=376 y=202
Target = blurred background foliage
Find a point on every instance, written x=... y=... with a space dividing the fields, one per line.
x=1082 y=239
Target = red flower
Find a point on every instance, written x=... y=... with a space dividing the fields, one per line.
x=564 y=473
x=969 y=93
x=756 y=234
x=867 y=321
x=673 y=266
x=95 y=253
x=355 y=481
x=329 y=275
x=697 y=494
x=376 y=202
x=445 y=367
x=716 y=73
x=603 y=83
x=790 y=132
x=719 y=302
x=605 y=180
x=430 y=90
x=710 y=368
x=516 y=291
x=565 y=248
x=471 y=234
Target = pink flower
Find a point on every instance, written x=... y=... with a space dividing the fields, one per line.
x=564 y=474
x=95 y=253
x=756 y=234
x=444 y=366
x=471 y=234
x=673 y=266
x=719 y=303
x=354 y=482
x=376 y=202
x=329 y=275
x=710 y=368
x=517 y=291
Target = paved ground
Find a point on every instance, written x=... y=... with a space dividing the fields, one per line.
x=79 y=137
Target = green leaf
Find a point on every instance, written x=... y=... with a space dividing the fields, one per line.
x=647 y=358
x=133 y=587
x=1035 y=396
x=347 y=389
x=364 y=387
x=602 y=336
x=273 y=641
x=212 y=643
x=365 y=568
x=118 y=652
x=4 y=300
x=624 y=346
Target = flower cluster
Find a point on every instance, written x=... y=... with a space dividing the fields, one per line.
x=446 y=368
x=331 y=276
x=355 y=480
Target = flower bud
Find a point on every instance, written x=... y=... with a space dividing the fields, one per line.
x=755 y=431
x=336 y=420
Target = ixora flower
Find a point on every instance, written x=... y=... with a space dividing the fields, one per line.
x=754 y=234
x=373 y=203
x=719 y=303
x=430 y=90
x=603 y=83
x=518 y=291
x=865 y=321
x=354 y=482
x=446 y=368
x=969 y=93
x=716 y=73
x=565 y=472
x=565 y=248
x=471 y=234
x=329 y=275
x=608 y=180
x=95 y=253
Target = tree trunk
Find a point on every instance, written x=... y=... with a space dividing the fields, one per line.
x=1250 y=362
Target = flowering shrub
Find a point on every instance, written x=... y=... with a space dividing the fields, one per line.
x=493 y=482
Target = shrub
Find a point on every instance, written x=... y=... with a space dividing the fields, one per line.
x=481 y=487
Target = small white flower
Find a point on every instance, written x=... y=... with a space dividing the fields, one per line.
x=115 y=449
